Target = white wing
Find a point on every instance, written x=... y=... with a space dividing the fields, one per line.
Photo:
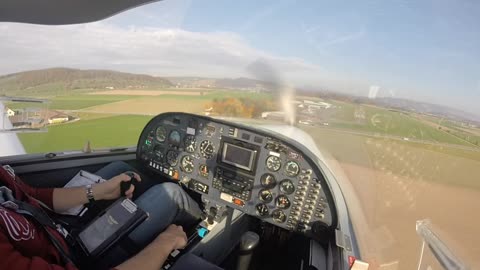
x=9 y=142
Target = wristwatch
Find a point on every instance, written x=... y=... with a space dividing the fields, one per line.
x=89 y=190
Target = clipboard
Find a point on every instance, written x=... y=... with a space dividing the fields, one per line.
x=81 y=179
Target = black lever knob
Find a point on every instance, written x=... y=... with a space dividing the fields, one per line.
x=211 y=215
x=248 y=243
x=125 y=186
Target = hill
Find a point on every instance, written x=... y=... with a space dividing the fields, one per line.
x=63 y=80
x=224 y=83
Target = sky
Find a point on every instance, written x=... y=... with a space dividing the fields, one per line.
x=422 y=50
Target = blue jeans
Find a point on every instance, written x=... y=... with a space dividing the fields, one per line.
x=165 y=203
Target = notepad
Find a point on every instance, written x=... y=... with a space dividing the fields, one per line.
x=81 y=179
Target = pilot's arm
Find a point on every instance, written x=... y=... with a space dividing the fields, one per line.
x=153 y=256
x=66 y=198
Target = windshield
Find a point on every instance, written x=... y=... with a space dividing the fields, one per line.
x=388 y=92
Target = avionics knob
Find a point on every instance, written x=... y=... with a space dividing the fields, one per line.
x=298 y=198
x=300 y=193
x=308 y=212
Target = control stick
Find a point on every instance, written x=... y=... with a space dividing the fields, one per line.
x=248 y=243
x=125 y=186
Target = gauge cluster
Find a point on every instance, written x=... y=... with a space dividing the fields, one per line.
x=247 y=169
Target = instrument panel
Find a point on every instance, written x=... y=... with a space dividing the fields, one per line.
x=247 y=169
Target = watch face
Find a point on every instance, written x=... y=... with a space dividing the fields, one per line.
x=90 y=193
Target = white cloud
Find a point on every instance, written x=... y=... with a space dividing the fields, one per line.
x=157 y=51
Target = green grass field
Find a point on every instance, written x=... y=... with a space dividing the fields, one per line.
x=108 y=129
x=74 y=102
x=382 y=121
x=107 y=114
x=84 y=101
x=440 y=164
x=112 y=131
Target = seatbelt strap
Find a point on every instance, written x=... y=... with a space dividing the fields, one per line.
x=40 y=216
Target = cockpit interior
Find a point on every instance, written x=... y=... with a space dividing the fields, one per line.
x=266 y=201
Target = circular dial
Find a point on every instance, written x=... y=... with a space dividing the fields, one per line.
x=262 y=209
x=268 y=180
x=282 y=202
x=161 y=134
x=286 y=186
x=203 y=170
x=279 y=216
x=190 y=144
x=273 y=163
x=187 y=164
x=207 y=149
x=291 y=168
x=172 y=158
x=174 y=138
x=265 y=195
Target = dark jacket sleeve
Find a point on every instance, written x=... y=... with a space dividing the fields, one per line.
x=12 y=259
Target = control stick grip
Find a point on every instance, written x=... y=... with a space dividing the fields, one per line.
x=125 y=186
x=248 y=243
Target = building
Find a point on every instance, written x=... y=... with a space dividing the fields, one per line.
x=10 y=112
x=315 y=105
x=58 y=118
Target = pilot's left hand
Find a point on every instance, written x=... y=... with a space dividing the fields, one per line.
x=110 y=189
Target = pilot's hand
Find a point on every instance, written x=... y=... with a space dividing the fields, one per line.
x=174 y=236
x=110 y=189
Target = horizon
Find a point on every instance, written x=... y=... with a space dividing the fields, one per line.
x=425 y=52
x=302 y=90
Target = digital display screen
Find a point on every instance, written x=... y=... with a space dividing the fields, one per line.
x=234 y=186
x=238 y=156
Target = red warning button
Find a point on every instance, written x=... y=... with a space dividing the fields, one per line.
x=238 y=202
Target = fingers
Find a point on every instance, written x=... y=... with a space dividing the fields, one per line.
x=127 y=176
x=181 y=236
x=174 y=235
x=129 y=192
x=137 y=177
